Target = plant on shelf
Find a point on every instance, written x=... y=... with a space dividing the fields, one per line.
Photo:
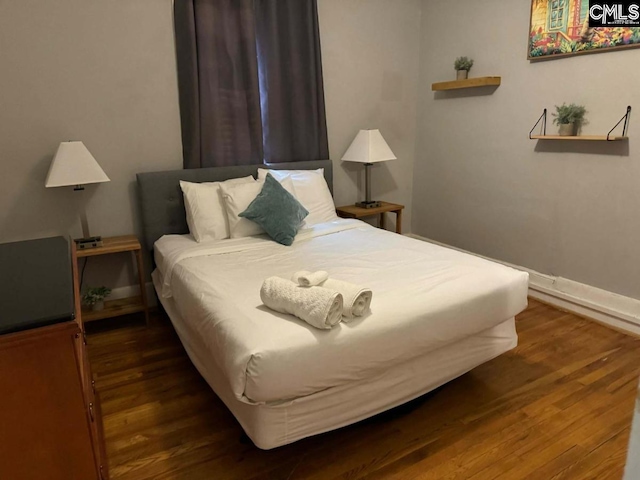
x=94 y=297
x=568 y=118
x=462 y=66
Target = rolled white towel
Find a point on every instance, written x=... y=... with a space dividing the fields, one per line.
x=305 y=278
x=319 y=307
x=357 y=299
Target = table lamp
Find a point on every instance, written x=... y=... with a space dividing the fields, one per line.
x=73 y=165
x=368 y=147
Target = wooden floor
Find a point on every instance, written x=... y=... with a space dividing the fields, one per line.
x=558 y=406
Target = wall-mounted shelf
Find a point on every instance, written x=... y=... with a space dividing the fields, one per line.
x=597 y=138
x=114 y=308
x=468 y=83
x=588 y=138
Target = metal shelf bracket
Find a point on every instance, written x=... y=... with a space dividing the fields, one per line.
x=625 y=127
x=543 y=128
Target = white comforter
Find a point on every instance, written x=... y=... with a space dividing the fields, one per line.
x=424 y=297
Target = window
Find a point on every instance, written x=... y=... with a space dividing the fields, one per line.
x=558 y=15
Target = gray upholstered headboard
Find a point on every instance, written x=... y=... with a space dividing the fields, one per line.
x=162 y=205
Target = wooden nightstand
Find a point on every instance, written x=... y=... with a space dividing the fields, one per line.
x=351 y=211
x=122 y=306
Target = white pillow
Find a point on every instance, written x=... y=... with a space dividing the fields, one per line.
x=311 y=190
x=206 y=214
x=237 y=198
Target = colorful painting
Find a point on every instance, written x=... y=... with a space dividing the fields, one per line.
x=561 y=27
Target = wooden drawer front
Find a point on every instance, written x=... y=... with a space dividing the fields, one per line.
x=84 y=368
x=87 y=379
x=91 y=399
x=94 y=417
x=97 y=436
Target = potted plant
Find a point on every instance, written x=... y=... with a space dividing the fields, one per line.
x=462 y=66
x=95 y=296
x=568 y=118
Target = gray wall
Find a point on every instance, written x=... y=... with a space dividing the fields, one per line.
x=565 y=209
x=370 y=50
x=100 y=72
x=104 y=72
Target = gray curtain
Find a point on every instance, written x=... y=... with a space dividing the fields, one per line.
x=294 y=126
x=218 y=83
x=229 y=117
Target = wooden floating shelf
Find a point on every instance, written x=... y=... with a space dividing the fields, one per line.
x=114 y=308
x=468 y=83
x=582 y=138
x=588 y=138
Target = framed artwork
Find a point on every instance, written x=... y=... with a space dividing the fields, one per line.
x=560 y=28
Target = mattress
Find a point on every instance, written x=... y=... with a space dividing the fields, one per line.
x=273 y=425
x=425 y=298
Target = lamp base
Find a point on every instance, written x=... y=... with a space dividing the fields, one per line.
x=370 y=204
x=88 y=242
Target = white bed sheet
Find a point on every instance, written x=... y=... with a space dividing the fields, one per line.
x=425 y=297
x=273 y=425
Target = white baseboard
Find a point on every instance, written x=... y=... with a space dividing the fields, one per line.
x=133 y=291
x=615 y=310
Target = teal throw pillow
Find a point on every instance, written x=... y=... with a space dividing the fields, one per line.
x=276 y=211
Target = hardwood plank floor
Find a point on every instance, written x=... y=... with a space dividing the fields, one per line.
x=559 y=406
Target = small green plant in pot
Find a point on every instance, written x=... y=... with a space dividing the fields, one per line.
x=568 y=118
x=462 y=66
x=94 y=297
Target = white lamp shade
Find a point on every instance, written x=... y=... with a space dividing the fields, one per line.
x=73 y=164
x=368 y=147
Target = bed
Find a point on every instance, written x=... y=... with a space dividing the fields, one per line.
x=436 y=314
